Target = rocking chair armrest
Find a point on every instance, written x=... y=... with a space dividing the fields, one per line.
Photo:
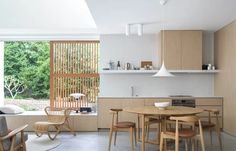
x=13 y=133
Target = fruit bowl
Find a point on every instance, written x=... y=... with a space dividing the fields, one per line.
x=162 y=105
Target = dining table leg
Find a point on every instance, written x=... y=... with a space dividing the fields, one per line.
x=143 y=132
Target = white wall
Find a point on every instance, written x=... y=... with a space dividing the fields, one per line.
x=1 y=73
x=133 y=49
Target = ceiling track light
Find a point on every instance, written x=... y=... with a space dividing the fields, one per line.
x=140 y=29
x=163 y=2
x=127 y=30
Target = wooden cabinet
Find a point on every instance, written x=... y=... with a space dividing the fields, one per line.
x=225 y=83
x=182 y=50
x=104 y=105
x=172 y=49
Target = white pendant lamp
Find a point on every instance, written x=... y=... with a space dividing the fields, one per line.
x=163 y=72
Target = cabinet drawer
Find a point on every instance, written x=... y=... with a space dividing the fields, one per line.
x=209 y=101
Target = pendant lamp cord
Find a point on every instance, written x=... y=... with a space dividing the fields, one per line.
x=163 y=33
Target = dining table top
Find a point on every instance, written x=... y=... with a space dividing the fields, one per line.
x=170 y=110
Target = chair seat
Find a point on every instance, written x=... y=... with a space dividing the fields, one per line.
x=182 y=133
x=124 y=124
x=43 y=125
x=206 y=124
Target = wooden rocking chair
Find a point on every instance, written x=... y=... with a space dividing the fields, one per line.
x=57 y=118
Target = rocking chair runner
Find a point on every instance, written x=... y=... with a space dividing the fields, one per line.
x=57 y=118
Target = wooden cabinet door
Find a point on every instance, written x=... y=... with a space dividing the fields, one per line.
x=191 y=43
x=104 y=116
x=171 y=40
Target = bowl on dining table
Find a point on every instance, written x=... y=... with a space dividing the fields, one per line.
x=162 y=105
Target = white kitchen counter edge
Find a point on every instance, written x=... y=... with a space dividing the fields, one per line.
x=156 y=97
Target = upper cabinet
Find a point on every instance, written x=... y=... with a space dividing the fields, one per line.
x=182 y=49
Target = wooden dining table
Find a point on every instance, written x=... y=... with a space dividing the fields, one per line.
x=152 y=110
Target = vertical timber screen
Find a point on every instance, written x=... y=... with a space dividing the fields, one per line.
x=73 y=69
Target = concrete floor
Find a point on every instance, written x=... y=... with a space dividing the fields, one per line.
x=98 y=141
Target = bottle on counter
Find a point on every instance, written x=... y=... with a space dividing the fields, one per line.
x=118 y=65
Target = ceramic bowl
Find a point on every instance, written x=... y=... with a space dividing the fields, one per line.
x=162 y=105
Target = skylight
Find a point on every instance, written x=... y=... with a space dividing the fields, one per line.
x=45 y=17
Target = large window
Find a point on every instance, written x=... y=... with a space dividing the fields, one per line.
x=27 y=74
x=38 y=71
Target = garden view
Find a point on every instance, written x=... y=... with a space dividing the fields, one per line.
x=27 y=74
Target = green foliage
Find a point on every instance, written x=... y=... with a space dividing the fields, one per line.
x=29 y=62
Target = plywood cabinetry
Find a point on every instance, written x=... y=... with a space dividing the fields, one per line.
x=225 y=83
x=104 y=105
x=211 y=103
x=182 y=49
x=172 y=48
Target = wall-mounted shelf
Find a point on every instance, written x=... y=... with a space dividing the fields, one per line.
x=154 y=71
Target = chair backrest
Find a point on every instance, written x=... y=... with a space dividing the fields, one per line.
x=211 y=112
x=3 y=126
x=57 y=115
x=186 y=120
x=115 y=115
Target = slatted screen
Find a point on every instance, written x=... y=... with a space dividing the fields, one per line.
x=74 y=69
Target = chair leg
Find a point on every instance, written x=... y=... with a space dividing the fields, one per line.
x=110 y=139
x=12 y=143
x=186 y=144
x=219 y=137
x=138 y=127
x=177 y=144
x=23 y=141
x=161 y=142
x=135 y=137
x=1 y=146
x=115 y=137
x=202 y=141
x=132 y=138
x=147 y=132
x=193 y=144
x=57 y=132
x=69 y=128
x=38 y=134
x=197 y=145
x=210 y=131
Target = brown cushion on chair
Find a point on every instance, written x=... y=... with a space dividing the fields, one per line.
x=124 y=124
x=182 y=132
x=206 y=124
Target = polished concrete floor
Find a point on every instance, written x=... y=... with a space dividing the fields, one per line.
x=98 y=141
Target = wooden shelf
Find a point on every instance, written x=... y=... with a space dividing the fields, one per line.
x=154 y=71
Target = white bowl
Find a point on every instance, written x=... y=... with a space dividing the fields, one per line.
x=161 y=105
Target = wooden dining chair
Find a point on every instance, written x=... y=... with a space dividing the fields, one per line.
x=117 y=125
x=209 y=125
x=150 y=120
x=187 y=132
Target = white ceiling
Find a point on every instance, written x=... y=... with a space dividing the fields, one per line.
x=111 y=16
x=45 y=17
x=73 y=17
